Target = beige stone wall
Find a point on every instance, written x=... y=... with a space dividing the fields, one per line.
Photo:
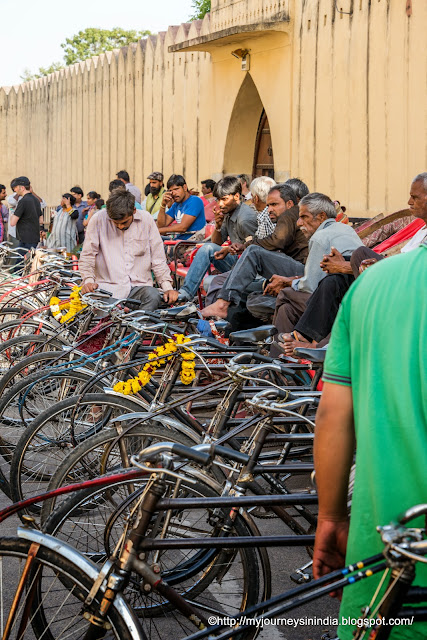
x=345 y=96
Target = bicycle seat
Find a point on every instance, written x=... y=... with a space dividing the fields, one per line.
x=314 y=355
x=181 y=312
x=254 y=336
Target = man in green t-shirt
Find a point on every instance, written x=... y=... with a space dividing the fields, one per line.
x=375 y=395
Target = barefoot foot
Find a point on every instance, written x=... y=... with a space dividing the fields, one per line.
x=218 y=309
x=290 y=341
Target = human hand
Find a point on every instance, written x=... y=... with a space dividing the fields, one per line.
x=89 y=287
x=366 y=263
x=167 y=199
x=329 y=548
x=220 y=255
x=194 y=191
x=219 y=218
x=276 y=284
x=170 y=296
x=236 y=248
x=333 y=262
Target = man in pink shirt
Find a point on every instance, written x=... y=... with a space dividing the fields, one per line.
x=122 y=250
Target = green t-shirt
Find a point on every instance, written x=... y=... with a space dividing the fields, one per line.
x=379 y=348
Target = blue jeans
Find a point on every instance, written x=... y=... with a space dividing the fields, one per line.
x=203 y=258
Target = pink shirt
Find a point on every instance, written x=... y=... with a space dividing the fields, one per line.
x=119 y=260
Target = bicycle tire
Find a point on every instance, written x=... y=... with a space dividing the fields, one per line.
x=28 y=398
x=24 y=327
x=47 y=441
x=60 y=588
x=30 y=364
x=84 y=462
x=14 y=350
x=218 y=580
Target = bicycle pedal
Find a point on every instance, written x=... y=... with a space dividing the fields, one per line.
x=301 y=577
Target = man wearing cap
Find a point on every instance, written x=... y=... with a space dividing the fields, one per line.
x=154 y=198
x=27 y=216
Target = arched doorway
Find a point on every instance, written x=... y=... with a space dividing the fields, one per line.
x=243 y=130
x=263 y=157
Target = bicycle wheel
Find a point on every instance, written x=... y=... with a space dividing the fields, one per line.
x=58 y=588
x=16 y=349
x=32 y=363
x=49 y=439
x=29 y=397
x=221 y=582
x=99 y=455
x=19 y=327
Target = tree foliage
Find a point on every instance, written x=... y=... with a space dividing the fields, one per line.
x=43 y=71
x=201 y=8
x=88 y=43
x=92 y=42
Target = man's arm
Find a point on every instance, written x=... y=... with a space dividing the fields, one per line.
x=313 y=273
x=282 y=237
x=88 y=257
x=334 y=445
x=18 y=213
x=183 y=226
x=334 y=262
x=163 y=220
x=247 y=225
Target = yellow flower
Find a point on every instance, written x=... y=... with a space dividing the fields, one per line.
x=187 y=355
x=135 y=384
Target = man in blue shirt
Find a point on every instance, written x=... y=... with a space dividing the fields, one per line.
x=185 y=210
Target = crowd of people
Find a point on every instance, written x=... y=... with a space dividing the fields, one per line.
x=266 y=252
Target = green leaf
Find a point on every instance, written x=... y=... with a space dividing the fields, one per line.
x=93 y=41
x=201 y=8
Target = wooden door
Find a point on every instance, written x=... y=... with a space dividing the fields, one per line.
x=263 y=159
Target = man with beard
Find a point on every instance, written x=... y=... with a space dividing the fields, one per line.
x=233 y=220
x=154 y=198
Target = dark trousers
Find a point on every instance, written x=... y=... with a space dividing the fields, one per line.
x=362 y=253
x=257 y=261
x=290 y=306
x=322 y=307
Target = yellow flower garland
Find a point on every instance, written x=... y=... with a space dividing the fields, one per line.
x=72 y=308
x=160 y=356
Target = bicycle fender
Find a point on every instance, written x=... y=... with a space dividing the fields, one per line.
x=70 y=554
x=170 y=423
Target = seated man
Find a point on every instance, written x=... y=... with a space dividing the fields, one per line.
x=260 y=188
x=233 y=220
x=121 y=249
x=186 y=213
x=208 y=199
x=316 y=322
x=283 y=251
x=317 y=221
